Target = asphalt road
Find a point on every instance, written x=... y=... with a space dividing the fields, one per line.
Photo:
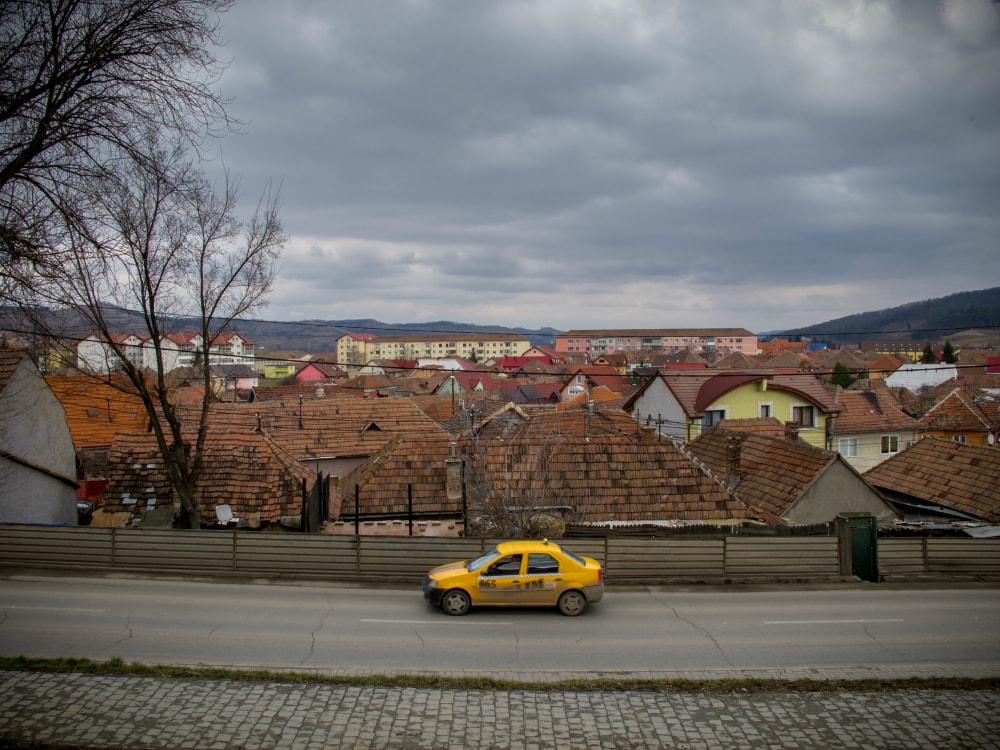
x=391 y=630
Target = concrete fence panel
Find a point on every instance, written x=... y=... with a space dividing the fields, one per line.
x=199 y=552
x=407 y=559
x=901 y=557
x=56 y=546
x=663 y=560
x=297 y=556
x=958 y=557
x=783 y=558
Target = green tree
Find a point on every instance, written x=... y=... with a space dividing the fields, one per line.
x=928 y=357
x=948 y=355
x=842 y=375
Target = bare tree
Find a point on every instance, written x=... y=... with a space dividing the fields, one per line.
x=156 y=238
x=81 y=82
x=511 y=487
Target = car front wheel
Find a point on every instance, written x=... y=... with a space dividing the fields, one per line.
x=456 y=602
x=572 y=603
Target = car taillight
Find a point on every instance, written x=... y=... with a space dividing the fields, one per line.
x=600 y=575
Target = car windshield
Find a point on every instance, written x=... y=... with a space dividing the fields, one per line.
x=482 y=560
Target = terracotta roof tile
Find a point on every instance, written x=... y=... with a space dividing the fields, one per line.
x=956 y=412
x=772 y=473
x=956 y=475
x=326 y=428
x=405 y=468
x=244 y=470
x=604 y=478
x=97 y=411
x=871 y=411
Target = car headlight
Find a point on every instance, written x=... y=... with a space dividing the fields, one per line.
x=431 y=583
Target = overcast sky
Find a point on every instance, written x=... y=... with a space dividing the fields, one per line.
x=620 y=163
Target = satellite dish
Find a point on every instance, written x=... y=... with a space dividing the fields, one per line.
x=992 y=439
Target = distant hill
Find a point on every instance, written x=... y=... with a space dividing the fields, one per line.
x=972 y=315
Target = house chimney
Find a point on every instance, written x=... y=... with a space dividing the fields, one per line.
x=791 y=431
x=647 y=434
x=734 y=447
x=453 y=475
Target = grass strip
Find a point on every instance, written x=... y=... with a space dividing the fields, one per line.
x=720 y=686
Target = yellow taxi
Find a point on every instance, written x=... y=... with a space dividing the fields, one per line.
x=522 y=574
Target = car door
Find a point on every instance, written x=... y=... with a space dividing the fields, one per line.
x=500 y=582
x=543 y=579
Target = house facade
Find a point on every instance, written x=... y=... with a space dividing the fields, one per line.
x=683 y=404
x=100 y=354
x=37 y=458
x=871 y=427
x=716 y=342
x=961 y=417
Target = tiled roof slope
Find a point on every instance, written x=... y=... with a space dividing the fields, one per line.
x=956 y=412
x=582 y=420
x=956 y=475
x=403 y=466
x=97 y=411
x=773 y=473
x=759 y=426
x=788 y=361
x=244 y=470
x=306 y=391
x=327 y=428
x=735 y=361
x=871 y=411
x=609 y=478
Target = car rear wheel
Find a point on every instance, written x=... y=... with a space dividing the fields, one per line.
x=572 y=603
x=456 y=602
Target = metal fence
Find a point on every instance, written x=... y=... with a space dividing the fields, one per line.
x=407 y=559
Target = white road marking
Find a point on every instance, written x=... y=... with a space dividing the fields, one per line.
x=454 y=621
x=823 y=622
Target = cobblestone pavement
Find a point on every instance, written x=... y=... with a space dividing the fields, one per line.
x=72 y=710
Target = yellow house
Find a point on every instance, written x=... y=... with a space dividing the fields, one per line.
x=684 y=404
x=276 y=365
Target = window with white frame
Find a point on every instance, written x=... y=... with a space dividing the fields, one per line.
x=764 y=409
x=959 y=438
x=890 y=444
x=848 y=447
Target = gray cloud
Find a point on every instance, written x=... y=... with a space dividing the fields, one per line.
x=621 y=163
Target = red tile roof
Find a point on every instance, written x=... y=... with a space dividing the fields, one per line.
x=245 y=470
x=946 y=472
x=956 y=412
x=870 y=411
x=604 y=478
x=772 y=473
x=97 y=411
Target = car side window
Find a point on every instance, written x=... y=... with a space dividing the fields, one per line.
x=505 y=566
x=541 y=564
